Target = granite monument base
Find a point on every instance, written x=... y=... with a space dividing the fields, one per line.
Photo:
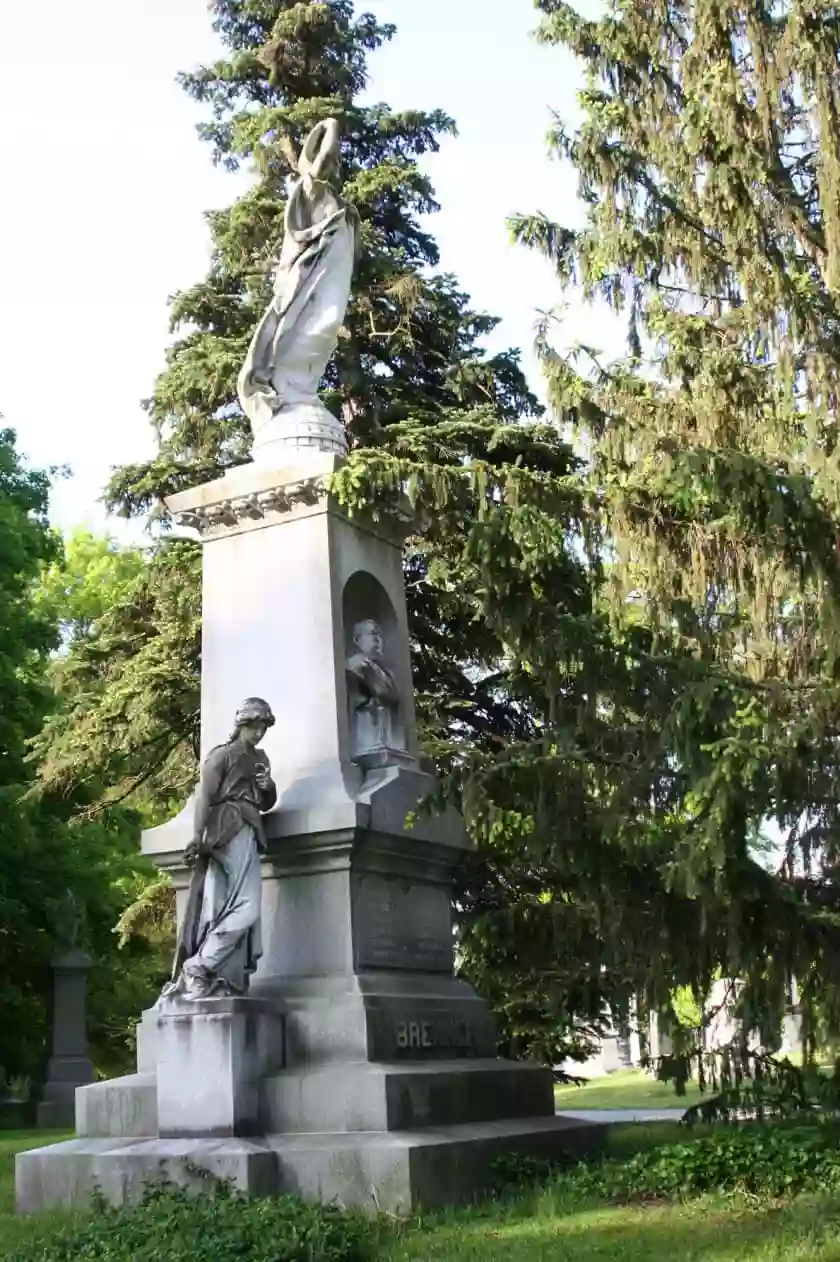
x=120 y=1170
x=356 y=1097
x=338 y=1077
x=66 y=1074
x=393 y=1172
x=358 y=1069
x=421 y=1128
x=213 y=1056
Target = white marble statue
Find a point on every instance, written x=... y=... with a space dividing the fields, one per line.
x=219 y=942
x=373 y=694
x=293 y=343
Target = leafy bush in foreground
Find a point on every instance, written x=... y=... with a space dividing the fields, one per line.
x=766 y=1162
x=172 y=1225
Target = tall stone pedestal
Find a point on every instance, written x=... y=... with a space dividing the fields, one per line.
x=70 y=1066
x=359 y=1068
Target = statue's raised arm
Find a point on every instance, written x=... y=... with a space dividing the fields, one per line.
x=294 y=341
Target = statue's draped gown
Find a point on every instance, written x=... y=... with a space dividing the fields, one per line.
x=296 y=337
x=220 y=935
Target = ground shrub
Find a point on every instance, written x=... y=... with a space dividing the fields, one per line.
x=761 y=1161
x=513 y=1171
x=173 y=1226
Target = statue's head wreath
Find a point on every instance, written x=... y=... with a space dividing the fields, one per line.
x=254 y=710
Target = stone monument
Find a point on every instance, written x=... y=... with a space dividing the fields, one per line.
x=69 y=1066
x=376 y=729
x=323 y=1044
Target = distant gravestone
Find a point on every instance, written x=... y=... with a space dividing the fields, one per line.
x=69 y=1067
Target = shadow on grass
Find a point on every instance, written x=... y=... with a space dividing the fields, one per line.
x=711 y=1231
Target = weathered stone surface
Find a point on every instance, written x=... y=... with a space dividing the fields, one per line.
x=212 y=1057
x=345 y=902
x=400 y=924
x=273 y=590
x=69 y=1173
x=397 y=1172
x=352 y=1097
x=402 y=1171
x=121 y=1108
x=404 y=1097
x=146 y=1035
x=384 y=1016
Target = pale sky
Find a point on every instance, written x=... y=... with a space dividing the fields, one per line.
x=104 y=185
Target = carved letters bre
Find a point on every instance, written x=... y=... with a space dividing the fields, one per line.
x=426 y=1036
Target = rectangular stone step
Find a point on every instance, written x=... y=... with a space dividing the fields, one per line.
x=397 y=1172
x=405 y=1096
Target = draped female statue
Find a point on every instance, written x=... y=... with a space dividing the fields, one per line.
x=294 y=341
x=219 y=942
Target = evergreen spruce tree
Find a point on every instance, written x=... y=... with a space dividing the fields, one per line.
x=411 y=350
x=709 y=162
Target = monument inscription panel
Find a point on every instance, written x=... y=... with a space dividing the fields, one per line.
x=442 y=1034
x=402 y=925
x=429 y=1029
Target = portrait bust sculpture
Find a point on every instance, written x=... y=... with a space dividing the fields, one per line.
x=219 y=942
x=373 y=694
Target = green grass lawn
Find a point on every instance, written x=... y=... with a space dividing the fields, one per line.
x=12 y=1142
x=542 y=1226
x=13 y=1229
x=708 y=1230
x=627 y=1089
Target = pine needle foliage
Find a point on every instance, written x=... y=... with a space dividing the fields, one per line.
x=708 y=158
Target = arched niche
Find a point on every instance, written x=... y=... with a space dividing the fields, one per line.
x=375 y=681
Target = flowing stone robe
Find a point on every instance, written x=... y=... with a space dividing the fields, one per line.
x=296 y=337
x=220 y=934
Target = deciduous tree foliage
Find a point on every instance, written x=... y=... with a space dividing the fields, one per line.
x=28 y=635
x=26 y=542
x=708 y=158
x=43 y=854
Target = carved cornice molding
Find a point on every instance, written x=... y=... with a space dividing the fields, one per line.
x=250 y=498
x=245 y=510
